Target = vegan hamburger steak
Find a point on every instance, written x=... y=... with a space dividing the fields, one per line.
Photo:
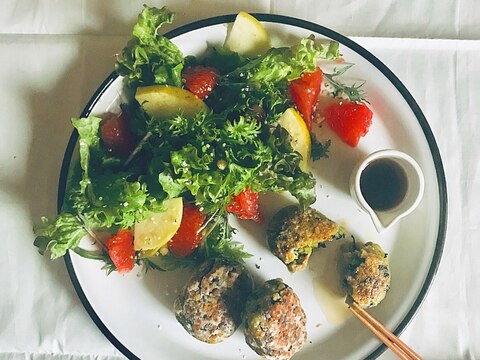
x=275 y=322
x=211 y=303
x=366 y=273
x=293 y=234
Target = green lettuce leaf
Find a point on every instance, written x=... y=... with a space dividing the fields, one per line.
x=284 y=63
x=169 y=185
x=148 y=22
x=56 y=236
x=224 y=60
x=89 y=144
x=150 y=58
x=306 y=54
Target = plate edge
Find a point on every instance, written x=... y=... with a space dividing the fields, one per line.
x=282 y=19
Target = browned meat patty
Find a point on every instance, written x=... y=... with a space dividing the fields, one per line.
x=275 y=323
x=211 y=304
x=366 y=273
x=294 y=233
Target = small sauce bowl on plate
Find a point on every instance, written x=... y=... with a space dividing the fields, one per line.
x=388 y=185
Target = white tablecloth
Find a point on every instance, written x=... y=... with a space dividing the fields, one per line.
x=53 y=56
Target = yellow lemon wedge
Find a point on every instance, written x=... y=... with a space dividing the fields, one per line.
x=293 y=122
x=157 y=229
x=162 y=101
x=247 y=36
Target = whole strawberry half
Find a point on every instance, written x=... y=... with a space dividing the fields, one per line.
x=187 y=237
x=121 y=251
x=349 y=120
x=117 y=135
x=200 y=80
x=245 y=206
x=304 y=93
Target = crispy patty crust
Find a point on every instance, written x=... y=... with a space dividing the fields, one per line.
x=275 y=323
x=366 y=273
x=294 y=233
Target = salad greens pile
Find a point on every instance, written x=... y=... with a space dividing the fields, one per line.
x=205 y=159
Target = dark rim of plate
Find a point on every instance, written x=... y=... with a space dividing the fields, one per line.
x=342 y=40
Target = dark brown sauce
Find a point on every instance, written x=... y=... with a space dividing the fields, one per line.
x=383 y=184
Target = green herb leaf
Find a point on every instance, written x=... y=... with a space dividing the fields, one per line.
x=354 y=92
x=219 y=243
x=319 y=150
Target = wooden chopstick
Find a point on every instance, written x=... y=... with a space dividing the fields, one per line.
x=387 y=337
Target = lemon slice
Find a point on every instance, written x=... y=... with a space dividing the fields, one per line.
x=162 y=101
x=293 y=122
x=247 y=36
x=157 y=229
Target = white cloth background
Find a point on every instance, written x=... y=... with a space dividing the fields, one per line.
x=55 y=53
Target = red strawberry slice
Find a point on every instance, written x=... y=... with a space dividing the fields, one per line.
x=245 y=206
x=187 y=237
x=349 y=120
x=200 y=80
x=117 y=136
x=304 y=92
x=120 y=249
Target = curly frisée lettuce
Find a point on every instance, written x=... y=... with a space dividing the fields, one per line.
x=187 y=153
x=206 y=158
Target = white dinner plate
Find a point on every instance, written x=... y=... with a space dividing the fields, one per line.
x=135 y=313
